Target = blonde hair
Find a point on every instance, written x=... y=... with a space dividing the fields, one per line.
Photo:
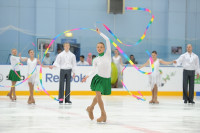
x=13 y=49
x=101 y=43
x=66 y=43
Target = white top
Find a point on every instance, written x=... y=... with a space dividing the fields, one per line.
x=31 y=65
x=14 y=60
x=47 y=61
x=189 y=61
x=103 y=63
x=66 y=60
x=117 y=59
x=82 y=63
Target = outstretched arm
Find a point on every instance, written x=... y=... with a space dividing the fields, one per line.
x=92 y=72
x=197 y=70
x=147 y=63
x=22 y=59
x=179 y=60
x=56 y=63
x=165 y=62
x=108 y=50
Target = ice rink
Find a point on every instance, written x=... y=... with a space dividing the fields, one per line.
x=124 y=115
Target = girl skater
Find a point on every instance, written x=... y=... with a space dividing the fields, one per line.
x=155 y=77
x=101 y=82
x=117 y=59
x=31 y=63
x=12 y=75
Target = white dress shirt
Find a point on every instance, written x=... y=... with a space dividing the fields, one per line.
x=82 y=63
x=189 y=61
x=66 y=60
x=103 y=63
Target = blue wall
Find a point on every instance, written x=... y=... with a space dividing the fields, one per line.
x=176 y=24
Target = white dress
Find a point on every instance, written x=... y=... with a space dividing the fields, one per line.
x=155 y=77
x=117 y=62
x=31 y=66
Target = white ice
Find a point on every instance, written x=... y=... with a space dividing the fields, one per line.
x=125 y=114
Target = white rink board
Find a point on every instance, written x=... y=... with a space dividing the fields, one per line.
x=132 y=78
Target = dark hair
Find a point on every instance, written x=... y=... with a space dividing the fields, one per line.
x=131 y=55
x=101 y=43
x=30 y=50
x=154 y=52
x=93 y=56
x=117 y=51
x=82 y=56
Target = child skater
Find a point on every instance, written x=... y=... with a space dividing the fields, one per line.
x=31 y=63
x=12 y=75
x=101 y=82
x=155 y=77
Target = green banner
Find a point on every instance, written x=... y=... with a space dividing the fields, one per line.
x=197 y=81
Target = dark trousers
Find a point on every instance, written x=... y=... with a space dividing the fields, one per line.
x=188 y=77
x=65 y=74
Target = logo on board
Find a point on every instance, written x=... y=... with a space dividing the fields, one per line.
x=197 y=81
x=1 y=77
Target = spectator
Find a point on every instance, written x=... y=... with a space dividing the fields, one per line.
x=93 y=56
x=89 y=58
x=47 y=59
x=58 y=52
x=132 y=59
x=82 y=62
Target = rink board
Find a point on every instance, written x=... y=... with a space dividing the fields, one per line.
x=134 y=81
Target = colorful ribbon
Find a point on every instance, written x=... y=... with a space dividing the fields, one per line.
x=137 y=97
x=119 y=49
x=15 y=70
x=144 y=34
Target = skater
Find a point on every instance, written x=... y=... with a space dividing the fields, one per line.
x=101 y=82
x=155 y=77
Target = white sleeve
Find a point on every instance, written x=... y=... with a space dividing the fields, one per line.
x=74 y=64
x=197 y=70
x=94 y=67
x=180 y=60
x=108 y=50
x=57 y=61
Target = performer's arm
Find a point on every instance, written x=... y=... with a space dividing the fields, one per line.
x=147 y=63
x=94 y=67
x=56 y=63
x=23 y=59
x=165 y=62
x=179 y=61
x=197 y=70
x=74 y=66
x=108 y=50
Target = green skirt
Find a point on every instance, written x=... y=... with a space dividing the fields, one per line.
x=13 y=76
x=101 y=84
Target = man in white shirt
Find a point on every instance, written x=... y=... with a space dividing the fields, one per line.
x=66 y=61
x=190 y=63
x=82 y=62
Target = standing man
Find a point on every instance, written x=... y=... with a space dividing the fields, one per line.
x=190 y=63
x=66 y=61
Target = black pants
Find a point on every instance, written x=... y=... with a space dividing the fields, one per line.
x=65 y=74
x=188 y=77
